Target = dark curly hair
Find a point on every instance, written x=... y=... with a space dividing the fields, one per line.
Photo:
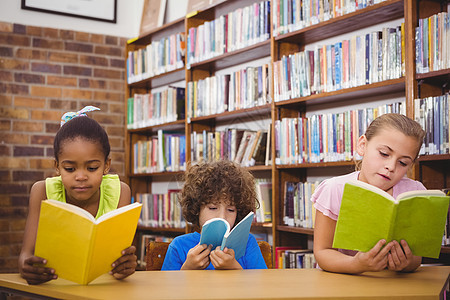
x=209 y=182
x=85 y=128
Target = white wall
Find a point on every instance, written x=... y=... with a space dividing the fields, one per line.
x=129 y=13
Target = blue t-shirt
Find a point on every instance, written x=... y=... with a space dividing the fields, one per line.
x=180 y=246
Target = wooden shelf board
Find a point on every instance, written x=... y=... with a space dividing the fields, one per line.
x=235 y=114
x=234 y=58
x=317 y=165
x=284 y=228
x=176 y=125
x=162 y=175
x=359 y=92
x=263 y=225
x=438 y=78
x=435 y=157
x=445 y=249
x=160 y=229
x=160 y=80
x=371 y=15
x=259 y=168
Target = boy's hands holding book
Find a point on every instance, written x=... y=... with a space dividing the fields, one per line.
x=224 y=259
x=197 y=258
x=126 y=264
x=33 y=270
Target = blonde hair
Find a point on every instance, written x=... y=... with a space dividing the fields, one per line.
x=399 y=122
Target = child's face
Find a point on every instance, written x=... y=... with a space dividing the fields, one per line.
x=82 y=166
x=386 y=158
x=221 y=209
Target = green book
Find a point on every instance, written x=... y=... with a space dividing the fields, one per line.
x=369 y=214
x=130 y=112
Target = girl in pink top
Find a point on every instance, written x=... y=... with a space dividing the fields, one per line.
x=389 y=148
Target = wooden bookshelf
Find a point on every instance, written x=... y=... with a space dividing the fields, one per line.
x=234 y=58
x=432 y=170
x=371 y=15
x=159 y=80
x=359 y=92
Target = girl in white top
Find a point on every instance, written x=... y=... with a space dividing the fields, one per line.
x=389 y=148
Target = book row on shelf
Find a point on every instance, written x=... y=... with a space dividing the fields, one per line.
x=362 y=59
x=164 y=210
x=317 y=138
x=294 y=258
x=298 y=210
x=325 y=137
x=245 y=147
x=433 y=42
x=264 y=194
x=293 y=15
x=161 y=210
x=167 y=151
x=241 y=89
x=432 y=113
x=144 y=240
x=156 y=108
x=160 y=153
x=156 y=58
x=236 y=30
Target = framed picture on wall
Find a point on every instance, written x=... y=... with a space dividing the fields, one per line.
x=152 y=15
x=99 y=10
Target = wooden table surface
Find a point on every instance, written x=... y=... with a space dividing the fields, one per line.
x=426 y=283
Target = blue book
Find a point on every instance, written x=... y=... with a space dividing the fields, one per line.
x=419 y=53
x=267 y=19
x=338 y=65
x=216 y=232
x=367 y=60
x=182 y=152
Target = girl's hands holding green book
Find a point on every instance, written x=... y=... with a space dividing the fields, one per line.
x=376 y=259
x=401 y=258
x=393 y=256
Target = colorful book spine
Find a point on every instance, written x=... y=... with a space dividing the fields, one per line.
x=432 y=39
x=432 y=113
x=326 y=137
x=337 y=66
x=241 y=89
x=156 y=58
x=292 y=15
x=227 y=33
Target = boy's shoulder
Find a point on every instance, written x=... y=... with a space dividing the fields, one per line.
x=186 y=239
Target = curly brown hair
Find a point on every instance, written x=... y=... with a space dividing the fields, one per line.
x=210 y=182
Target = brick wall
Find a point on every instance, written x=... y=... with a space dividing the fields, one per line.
x=45 y=72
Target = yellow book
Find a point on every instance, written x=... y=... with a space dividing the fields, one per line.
x=79 y=247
